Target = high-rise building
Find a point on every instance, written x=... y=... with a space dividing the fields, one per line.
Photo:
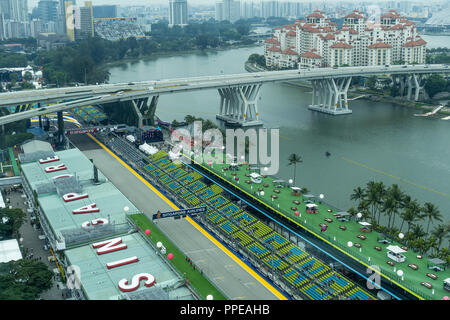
x=219 y=10
x=270 y=9
x=178 y=15
x=5 y=9
x=86 y=20
x=228 y=10
x=317 y=42
x=47 y=10
x=248 y=9
x=2 y=27
x=18 y=10
x=106 y=11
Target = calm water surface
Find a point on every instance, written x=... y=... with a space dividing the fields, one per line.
x=379 y=141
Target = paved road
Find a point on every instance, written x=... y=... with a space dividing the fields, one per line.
x=33 y=245
x=231 y=278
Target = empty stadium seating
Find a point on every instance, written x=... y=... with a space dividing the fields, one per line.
x=114 y=29
x=276 y=252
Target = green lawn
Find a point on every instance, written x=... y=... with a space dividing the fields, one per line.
x=196 y=279
x=337 y=237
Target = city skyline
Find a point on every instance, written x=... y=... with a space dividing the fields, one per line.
x=33 y=3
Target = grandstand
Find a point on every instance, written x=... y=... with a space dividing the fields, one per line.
x=305 y=275
x=77 y=215
x=114 y=29
x=90 y=114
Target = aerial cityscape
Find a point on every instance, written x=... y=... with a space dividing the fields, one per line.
x=224 y=150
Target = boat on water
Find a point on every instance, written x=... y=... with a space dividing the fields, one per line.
x=232 y=123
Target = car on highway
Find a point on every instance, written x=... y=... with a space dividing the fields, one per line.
x=131 y=83
x=404 y=66
x=120 y=93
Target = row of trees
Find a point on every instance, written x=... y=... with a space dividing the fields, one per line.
x=258 y=59
x=377 y=200
x=24 y=279
x=81 y=62
x=433 y=84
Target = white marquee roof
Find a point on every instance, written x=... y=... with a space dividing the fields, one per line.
x=254 y=175
x=395 y=249
x=9 y=251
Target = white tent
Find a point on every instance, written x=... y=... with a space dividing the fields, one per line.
x=2 y=202
x=295 y=188
x=395 y=249
x=311 y=205
x=255 y=175
x=172 y=155
x=9 y=251
x=365 y=224
x=148 y=149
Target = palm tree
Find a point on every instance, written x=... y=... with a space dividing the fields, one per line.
x=189 y=118
x=398 y=197
x=433 y=243
x=423 y=245
x=431 y=212
x=389 y=208
x=444 y=254
x=352 y=211
x=411 y=214
x=304 y=190
x=440 y=232
x=293 y=160
x=358 y=194
x=371 y=196
x=380 y=194
x=417 y=232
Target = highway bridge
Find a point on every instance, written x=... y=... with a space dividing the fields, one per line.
x=238 y=93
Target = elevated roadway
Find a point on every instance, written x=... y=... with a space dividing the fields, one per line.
x=238 y=92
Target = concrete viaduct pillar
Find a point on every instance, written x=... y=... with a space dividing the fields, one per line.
x=145 y=110
x=331 y=94
x=409 y=84
x=240 y=104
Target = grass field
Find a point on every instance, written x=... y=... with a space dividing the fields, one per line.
x=284 y=205
x=201 y=284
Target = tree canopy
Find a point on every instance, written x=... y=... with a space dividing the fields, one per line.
x=14 y=218
x=24 y=279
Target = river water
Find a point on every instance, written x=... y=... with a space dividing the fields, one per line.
x=379 y=141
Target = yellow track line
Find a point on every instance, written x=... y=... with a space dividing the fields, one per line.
x=394 y=177
x=196 y=225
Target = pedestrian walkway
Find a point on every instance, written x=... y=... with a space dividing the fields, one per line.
x=33 y=247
